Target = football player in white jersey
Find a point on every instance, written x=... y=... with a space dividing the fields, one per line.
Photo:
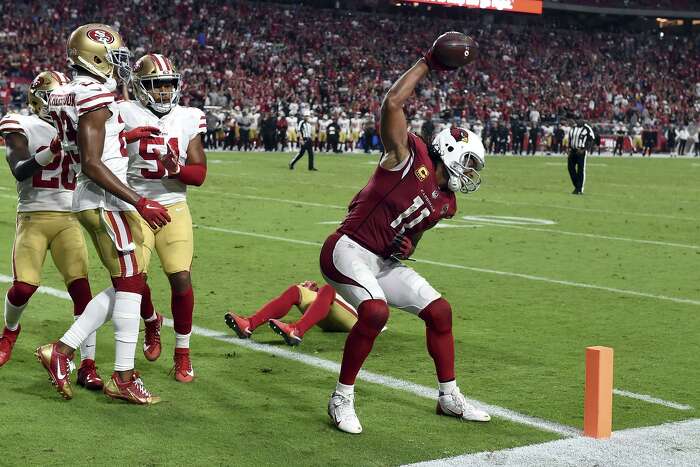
x=292 y=123
x=355 y=130
x=90 y=128
x=344 y=123
x=45 y=221
x=156 y=84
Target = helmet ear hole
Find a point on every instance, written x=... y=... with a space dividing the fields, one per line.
x=97 y=60
x=450 y=148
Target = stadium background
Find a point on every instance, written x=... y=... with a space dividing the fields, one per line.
x=617 y=267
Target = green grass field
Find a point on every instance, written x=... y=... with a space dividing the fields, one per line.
x=616 y=267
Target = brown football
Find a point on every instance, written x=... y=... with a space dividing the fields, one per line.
x=454 y=49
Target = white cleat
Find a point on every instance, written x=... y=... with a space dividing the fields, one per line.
x=341 y=409
x=453 y=404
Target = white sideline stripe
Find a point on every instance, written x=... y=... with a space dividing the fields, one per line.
x=575 y=208
x=388 y=381
x=265 y=198
x=670 y=444
x=651 y=399
x=634 y=293
x=587 y=235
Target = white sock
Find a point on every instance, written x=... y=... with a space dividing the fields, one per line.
x=152 y=318
x=96 y=313
x=182 y=341
x=13 y=314
x=126 y=317
x=87 y=348
x=446 y=388
x=345 y=389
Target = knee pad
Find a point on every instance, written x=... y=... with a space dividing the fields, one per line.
x=372 y=316
x=438 y=315
x=20 y=293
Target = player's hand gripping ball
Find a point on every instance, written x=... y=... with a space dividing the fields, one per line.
x=450 y=51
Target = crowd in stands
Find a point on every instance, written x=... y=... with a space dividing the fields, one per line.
x=268 y=57
x=686 y=5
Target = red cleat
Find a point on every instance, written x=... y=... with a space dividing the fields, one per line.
x=239 y=324
x=131 y=391
x=7 y=342
x=151 y=341
x=59 y=367
x=288 y=332
x=183 y=366
x=88 y=376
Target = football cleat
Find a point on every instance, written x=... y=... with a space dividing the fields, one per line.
x=88 y=376
x=7 y=342
x=341 y=409
x=239 y=324
x=183 y=366
x=287 y=331
x=453 y=404
x=132 y=391
x=59 y=367
x=151 y=341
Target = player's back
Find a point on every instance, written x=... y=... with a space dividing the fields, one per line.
x=146 y=173
x=404 y=200
x=51 y=187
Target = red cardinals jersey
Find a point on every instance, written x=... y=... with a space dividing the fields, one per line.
x=406 y=200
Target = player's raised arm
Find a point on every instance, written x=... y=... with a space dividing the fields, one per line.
x=393 y=125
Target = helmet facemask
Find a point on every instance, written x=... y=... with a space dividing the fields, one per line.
x=150 y=92
x=462 y=154
x=119 y=59
x=40 y=100
x=464 y=173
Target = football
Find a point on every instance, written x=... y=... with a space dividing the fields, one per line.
x=454 y=49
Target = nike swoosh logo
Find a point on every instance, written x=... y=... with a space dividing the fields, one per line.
x=150 y=207
x=59 y=374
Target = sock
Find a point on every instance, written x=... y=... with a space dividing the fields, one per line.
x=276 y=308
x=447 y=387
x=125 y=317
x=147 y=312
x=15 y=302
x=317 y=310
x=81 y=295
x=372 y=316
x=182 y=306
x=345 y=389
x=97 y=312
x=440 y=341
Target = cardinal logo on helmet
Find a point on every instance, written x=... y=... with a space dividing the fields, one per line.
x=100 y=35
x=459 y=134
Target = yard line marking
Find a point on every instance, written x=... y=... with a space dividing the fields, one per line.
x=382 y=380
x=588 y=235
x=287 y=180
x=634 y=293
x=265 y=198
x=575 y=208
x=594 y=164
x=668 y=444
x=651 y=399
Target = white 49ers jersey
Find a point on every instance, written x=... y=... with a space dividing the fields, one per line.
x=66 y=105
x=147 y=176
x=51 y=188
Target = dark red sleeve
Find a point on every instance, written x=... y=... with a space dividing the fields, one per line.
x=192 y=174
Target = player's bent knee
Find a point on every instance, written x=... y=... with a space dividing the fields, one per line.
x=372 y=315
x=20 y=293
x=180 y=281
x=327 y=293
x=438 y=315
x=133 y=284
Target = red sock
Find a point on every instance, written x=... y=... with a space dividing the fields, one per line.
x=317 y=310
x=182 y=306
x=438 y=334
x=372 y=316
x=276 y=308
x=146 y=303
x=20 y=293
x=79 y=291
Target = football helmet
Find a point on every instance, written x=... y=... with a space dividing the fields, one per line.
x=156 y=83
x=100 y=50
x=40 y=89
x=463 y=154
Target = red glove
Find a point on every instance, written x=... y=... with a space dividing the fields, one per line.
x=55 y=145
x=153 y=212
x=311 y=285
x=402 y=247
x=432 y=62
x=140 y=132
x=170 y=160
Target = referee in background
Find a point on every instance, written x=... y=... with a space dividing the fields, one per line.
x=304 y=132
x=581 y=139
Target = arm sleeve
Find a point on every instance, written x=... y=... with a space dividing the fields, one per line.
x=199 y=123
x=11 y=124
x=192 y=174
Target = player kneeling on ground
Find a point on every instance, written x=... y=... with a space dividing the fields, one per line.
x=318 y=306
x=412 y=189
x=45 y=222
x=160 y=168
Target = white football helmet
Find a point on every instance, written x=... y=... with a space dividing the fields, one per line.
x=463 y=154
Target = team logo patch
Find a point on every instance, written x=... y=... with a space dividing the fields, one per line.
x=422 y=173
x=39 y=81
x=459 y=134
x=434 y=194
x=100 y=35
x=444 y=209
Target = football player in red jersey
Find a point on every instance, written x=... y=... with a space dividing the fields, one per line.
x=411 y=190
